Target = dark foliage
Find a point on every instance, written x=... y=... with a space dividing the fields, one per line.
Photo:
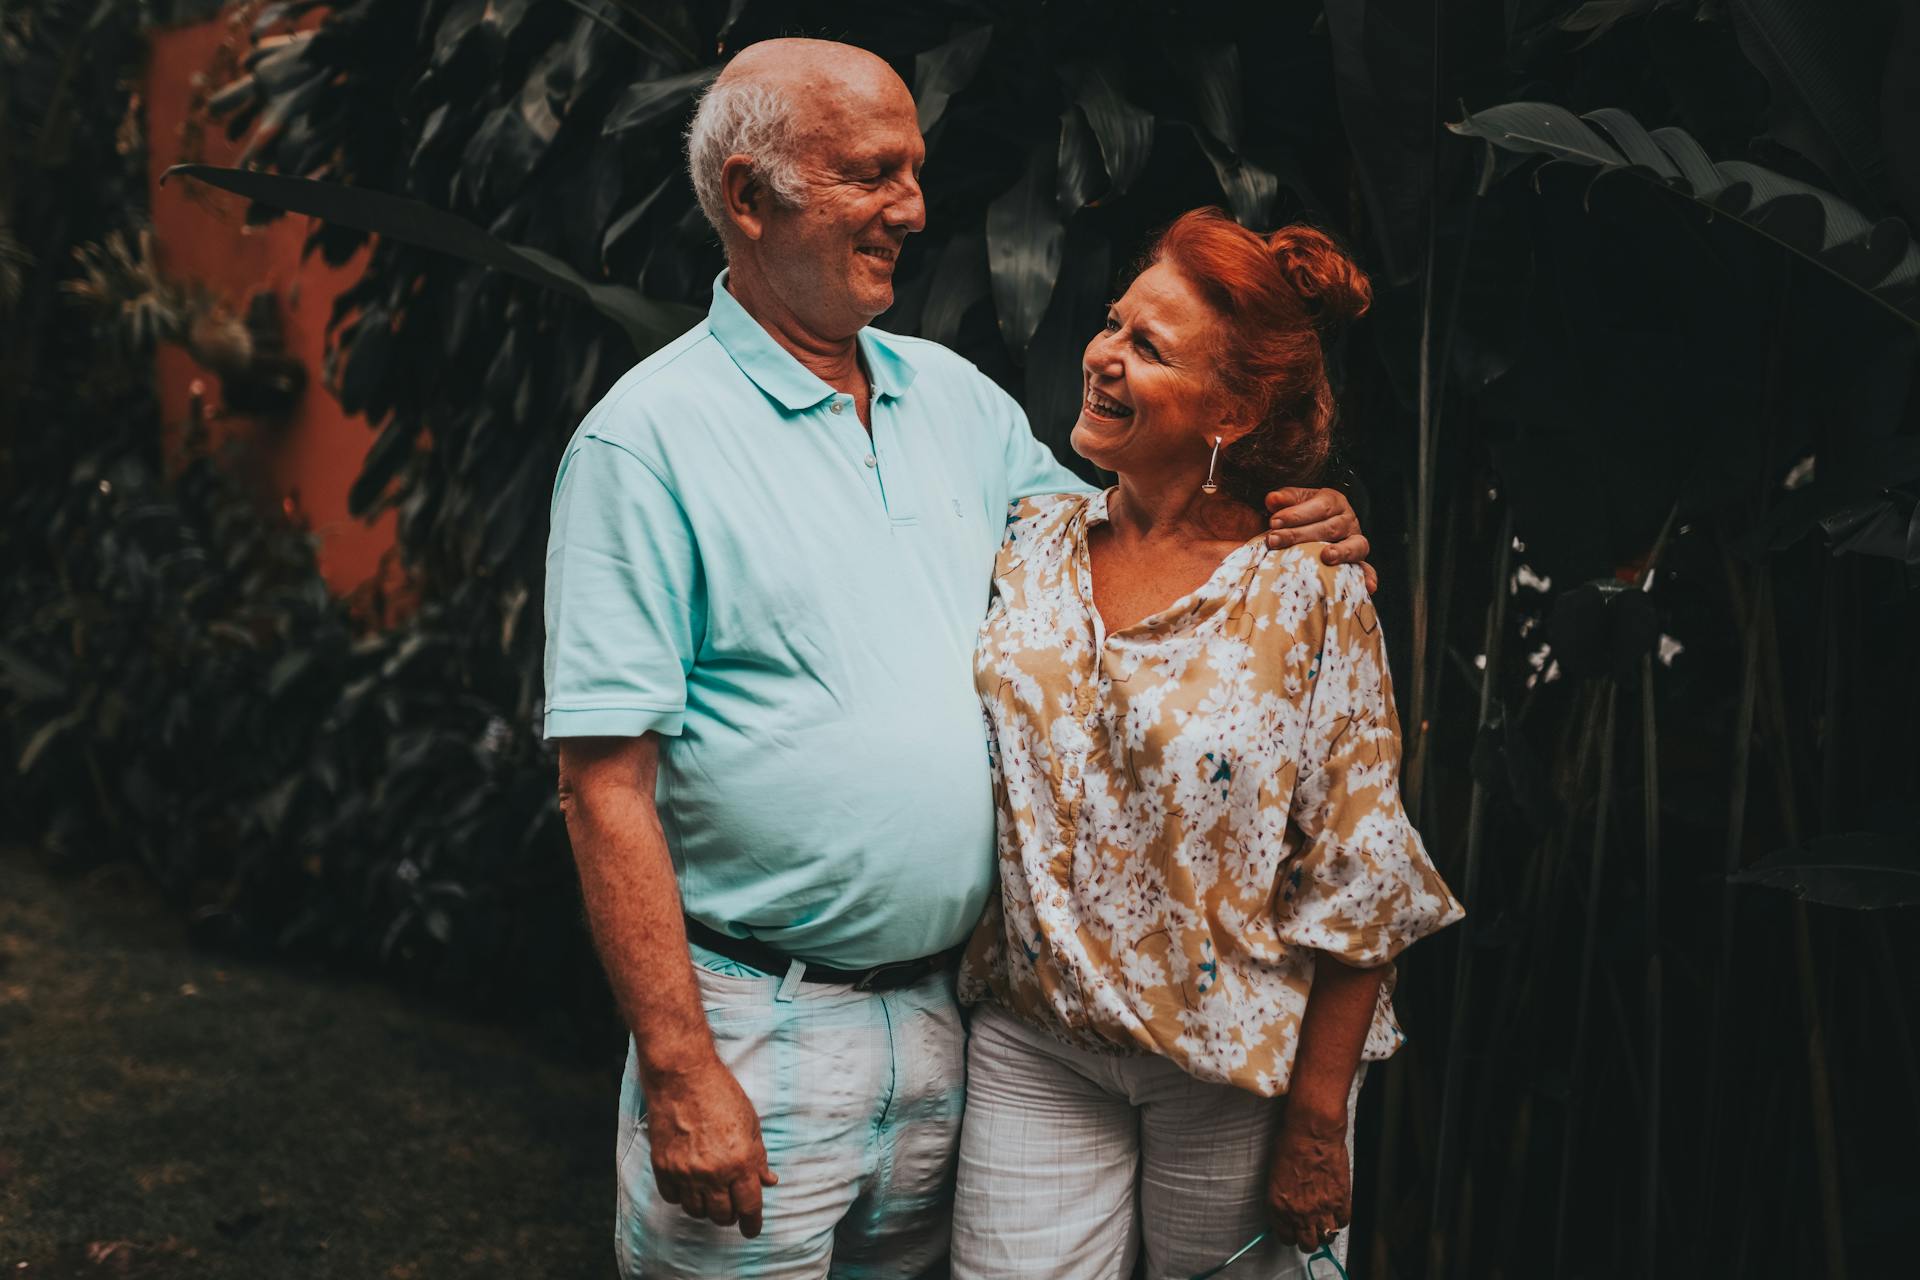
x=1634 y=423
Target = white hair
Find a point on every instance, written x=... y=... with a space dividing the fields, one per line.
x=735 y=119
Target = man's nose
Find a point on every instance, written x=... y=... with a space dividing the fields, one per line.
x=908 y=211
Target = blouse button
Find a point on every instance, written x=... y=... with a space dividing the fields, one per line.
x=871 y=461
x=837 y=406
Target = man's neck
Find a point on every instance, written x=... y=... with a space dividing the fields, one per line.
x=835 y=361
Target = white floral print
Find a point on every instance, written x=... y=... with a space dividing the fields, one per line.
x=1193 y=807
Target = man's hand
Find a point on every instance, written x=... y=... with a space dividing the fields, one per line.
x=1310 y=1182
x=1320 y=515
x=707 y=1154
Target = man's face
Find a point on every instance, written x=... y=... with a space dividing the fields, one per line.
x=832 y=260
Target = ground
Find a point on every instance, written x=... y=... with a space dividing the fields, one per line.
x=168 y=1112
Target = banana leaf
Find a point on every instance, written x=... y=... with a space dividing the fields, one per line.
x=1080 y=172
x=1249 y=188
x=1887 y=527
x=1080 y=297
x=1865 y=870
x=1212 y=76
x=944 y=70
x=1597 y=17
x=1124 y=131
x=649 y=324
x=959 y=281
x=1879 y=259
x=1025 y=236
x=1824 y=81
x=651 y=100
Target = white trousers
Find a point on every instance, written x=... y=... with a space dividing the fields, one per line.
x=1072 y=1163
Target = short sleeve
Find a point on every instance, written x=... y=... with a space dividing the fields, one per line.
x=625 y=601
x=1031 y=467
x=1359 y=886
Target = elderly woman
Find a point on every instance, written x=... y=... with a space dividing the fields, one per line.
x=1205 y=867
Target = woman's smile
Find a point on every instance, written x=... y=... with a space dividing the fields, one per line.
x=1104 y=408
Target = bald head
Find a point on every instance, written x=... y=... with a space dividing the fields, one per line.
x=776 y=102
x=803 y=68
x=806 y=157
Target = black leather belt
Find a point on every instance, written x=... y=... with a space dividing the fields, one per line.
x=756 y=954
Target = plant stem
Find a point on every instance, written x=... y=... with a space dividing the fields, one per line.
x=1429 y=394
x=1758 y=609
x=1650 y=774
x=1819 y=1084
x=1582 y=1009
x=1379 y=1265
x=1453 y=1077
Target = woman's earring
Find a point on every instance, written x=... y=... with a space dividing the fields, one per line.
x=1210 y=486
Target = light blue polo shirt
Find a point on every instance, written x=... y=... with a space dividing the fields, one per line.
x=791 y=604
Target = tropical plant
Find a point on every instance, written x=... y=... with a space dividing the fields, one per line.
x=1636 y=414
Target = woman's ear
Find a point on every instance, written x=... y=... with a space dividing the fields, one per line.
x=1230 y=429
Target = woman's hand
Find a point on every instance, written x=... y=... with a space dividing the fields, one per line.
x=1310 y=1182
x=1320 y=515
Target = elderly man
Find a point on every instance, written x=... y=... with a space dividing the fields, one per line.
x=770 y=553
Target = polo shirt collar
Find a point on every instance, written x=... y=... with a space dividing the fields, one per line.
x=775 y=370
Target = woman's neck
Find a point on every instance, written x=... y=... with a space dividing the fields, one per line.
x=1179 y=511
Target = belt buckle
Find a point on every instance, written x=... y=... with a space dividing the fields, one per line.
x=867 y=978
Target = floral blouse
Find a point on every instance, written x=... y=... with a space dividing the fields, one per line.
x=1192 y=807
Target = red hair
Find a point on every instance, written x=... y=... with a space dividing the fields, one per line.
x=1275 y=294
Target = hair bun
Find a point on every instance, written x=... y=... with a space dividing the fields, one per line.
x=1331 y=283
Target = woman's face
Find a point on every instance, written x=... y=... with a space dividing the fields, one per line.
x=1150 y=401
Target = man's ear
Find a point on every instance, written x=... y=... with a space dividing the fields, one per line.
x=744 y=196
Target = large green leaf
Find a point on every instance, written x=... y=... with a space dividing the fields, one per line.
x=1249 y=188
x=1824 y=80
x=1211 y=74
x=944 y=70
x=1080 y=298
x=1024 y=240
x=1860 y=869
x=1124 y=131
x=1212 y=77
x=649 y=323
x=1080 y=175
x=1383 y=72
x=959 y=281
x=653 y=100
x=1597 y=17
x=1879 y=259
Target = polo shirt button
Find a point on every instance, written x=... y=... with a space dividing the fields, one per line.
x=837 y=406
x=871 y=461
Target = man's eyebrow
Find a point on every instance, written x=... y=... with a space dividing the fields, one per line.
x=884 y=157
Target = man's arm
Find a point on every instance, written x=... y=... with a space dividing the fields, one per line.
x=708 y=1156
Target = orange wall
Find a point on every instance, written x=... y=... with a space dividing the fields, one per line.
x=312 y=457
